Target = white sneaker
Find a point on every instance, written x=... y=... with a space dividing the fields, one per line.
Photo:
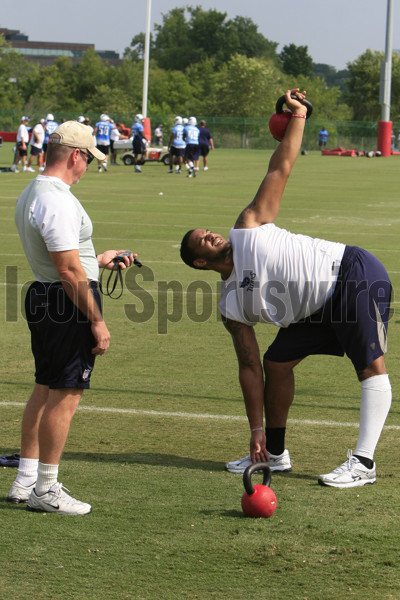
x=138 y=169
x=14 y=169
x=99 y=169
x=170 y=170
x=56 y=500
x=351 y=473
x=29 y=169
x=105 y=166
x=278 y=463
x=19 y=493
x=205 y=168
x=42 y=168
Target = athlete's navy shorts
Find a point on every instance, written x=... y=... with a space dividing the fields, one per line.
x=61 y=336
x=177 y=151
x=104 y=149
x=138 y=145
x=192 y=152
x=354 y=321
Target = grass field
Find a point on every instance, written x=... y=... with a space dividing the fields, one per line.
x=147 y=447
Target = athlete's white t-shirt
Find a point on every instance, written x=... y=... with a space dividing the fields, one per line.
x=278 y=277
x=50 y=218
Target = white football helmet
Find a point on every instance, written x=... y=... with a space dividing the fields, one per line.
x=81 y=119
x=50 y=117
x=139 y=118
x=178 y=120
x=104 y=117
x=185 y=121
x=192 y=121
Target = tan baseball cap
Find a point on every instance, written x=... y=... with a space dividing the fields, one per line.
x=75 y=135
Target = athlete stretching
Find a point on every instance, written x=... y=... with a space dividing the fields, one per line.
x=326 y=298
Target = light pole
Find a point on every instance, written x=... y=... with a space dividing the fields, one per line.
x=146 y=59
x=385 y=125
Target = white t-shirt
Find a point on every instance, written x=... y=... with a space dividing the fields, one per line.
x=39 y=130
x=50 y=218
x=114 y=134
x=278 y=277
x=22 y=134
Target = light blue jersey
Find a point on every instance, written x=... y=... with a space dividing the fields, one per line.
x=137 y=130
x=103 y=133
x=192 y=134
x=50 y=127
x=178 y=141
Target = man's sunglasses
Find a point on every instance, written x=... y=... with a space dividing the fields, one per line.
x=89 y=157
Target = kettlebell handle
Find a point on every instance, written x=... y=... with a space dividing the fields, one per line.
x=281 y=101
x=260 y=466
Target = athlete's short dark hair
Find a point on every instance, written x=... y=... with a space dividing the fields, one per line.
x=188 y=255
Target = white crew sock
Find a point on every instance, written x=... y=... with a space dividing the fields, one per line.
x=47 y=476
x=376 y=398
x=27 y=471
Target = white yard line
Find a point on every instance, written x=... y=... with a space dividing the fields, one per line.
x=196 y=416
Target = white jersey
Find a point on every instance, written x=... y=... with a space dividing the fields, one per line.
x=50 y=218
x=278 y=277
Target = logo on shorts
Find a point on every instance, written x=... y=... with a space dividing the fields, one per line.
x=248 y=282
x=86 y=374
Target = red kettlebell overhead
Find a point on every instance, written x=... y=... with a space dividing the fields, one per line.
x=280 y=119
x=260 y=500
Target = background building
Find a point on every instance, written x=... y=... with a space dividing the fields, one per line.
x=45 y=53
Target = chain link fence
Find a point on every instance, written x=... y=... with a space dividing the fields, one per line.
x=238 y=132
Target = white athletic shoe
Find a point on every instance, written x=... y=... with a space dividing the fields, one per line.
x=29 y=169
x=105 y=166
x=351 y=473
x=205 y=168
x=14 y=169
x=99 y=169
x=138 y=169
x=170 y=170
x=278 y=463
x=56 y=500
x=19 y=493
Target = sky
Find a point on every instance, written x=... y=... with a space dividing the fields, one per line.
x=335 y=31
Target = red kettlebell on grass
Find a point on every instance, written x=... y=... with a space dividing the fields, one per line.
x=260 y=500
x=280 y=119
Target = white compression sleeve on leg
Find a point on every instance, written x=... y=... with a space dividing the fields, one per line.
x=376 y=398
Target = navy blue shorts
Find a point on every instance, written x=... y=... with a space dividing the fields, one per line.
x=177 y=151
x=61 y=336
x=36 y=151
x=139 y=147
x=104 y=149
x=204 y=149
x=192 y=152
x=354 y=321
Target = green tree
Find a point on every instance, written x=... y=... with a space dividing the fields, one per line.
x=246 y=87
x=91 y=72
x=180 y=42
x=15 y=76
x=296 y=60
x=364 y=86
